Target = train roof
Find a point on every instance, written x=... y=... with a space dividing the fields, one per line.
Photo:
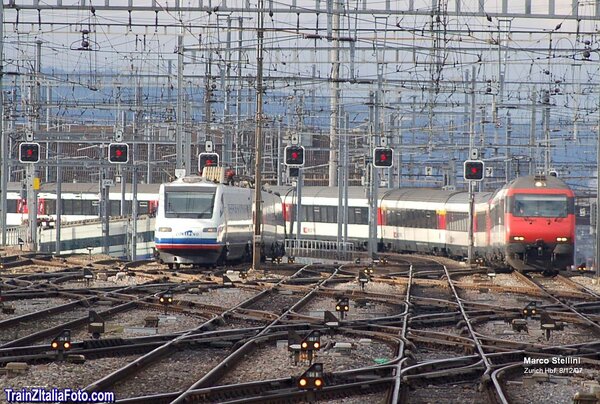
x=406 y=194
x=86 y=188
x=322 y=192
x=529 y=182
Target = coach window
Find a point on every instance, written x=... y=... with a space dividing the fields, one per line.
x=114 y=208
x=67 y=207
x=143 y=207
x=332 y=212
x=88 y=208
x=11 y=205
x=317 y=214
x=50 y=206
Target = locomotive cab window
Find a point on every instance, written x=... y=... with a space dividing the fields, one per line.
x=538 y=205
x=192 y=204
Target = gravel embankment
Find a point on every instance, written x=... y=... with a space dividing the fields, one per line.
x=27 y=306
x=269 y=362
x=572 y=334
x=359 y=310
x=64 y=374
x=173 y=373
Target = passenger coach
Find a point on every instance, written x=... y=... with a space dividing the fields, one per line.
x=528 y=225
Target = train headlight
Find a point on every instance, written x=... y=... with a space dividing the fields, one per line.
x=210 y=230
x=165 y=229
x=518 y=238
x=562 y=239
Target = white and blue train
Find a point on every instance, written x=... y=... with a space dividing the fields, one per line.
x=201 y=222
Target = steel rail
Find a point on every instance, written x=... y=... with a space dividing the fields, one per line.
x=135 y=366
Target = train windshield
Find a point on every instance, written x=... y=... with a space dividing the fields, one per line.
x=193 y=204
x=537 y=205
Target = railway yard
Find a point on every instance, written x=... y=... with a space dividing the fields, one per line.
x=406 y=328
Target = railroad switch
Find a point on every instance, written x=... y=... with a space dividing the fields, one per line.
x=78 y=359
x=88 y=276
x=16 y=368
x=342 y=306
x=95 y=324
x=585 y=398
x=363 y=279
x=151 y=322
x=547 y=324
x=530 y=310
x=312 y=379
x=61 y=343
x=227 y=281
x=330 y=319
x=7 y=309
x=519 y=325
x=361 y=303
x=294 y=340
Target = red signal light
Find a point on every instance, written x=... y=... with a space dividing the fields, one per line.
x=383 y=157
x=29 y=152
x=207 y=160
x=294 y=156
x=118 y=153
x=474 y=170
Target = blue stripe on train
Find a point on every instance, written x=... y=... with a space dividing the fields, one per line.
x=175 y=240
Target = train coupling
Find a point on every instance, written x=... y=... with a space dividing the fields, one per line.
x=539 y=245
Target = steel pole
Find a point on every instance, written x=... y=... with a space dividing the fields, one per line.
x=258 y=141
x=471 y=221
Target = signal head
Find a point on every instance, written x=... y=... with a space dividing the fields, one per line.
x=118 y=153
x=294 y=156
x=29 y=152
x=207 y=160
x=383 y=157
x=474 y=170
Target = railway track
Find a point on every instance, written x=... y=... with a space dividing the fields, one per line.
x=414 y=329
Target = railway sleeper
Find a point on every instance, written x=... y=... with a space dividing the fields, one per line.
x=445 y=376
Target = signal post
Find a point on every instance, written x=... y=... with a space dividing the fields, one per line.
x=29 y=154
x=383 y=157
x=294 y=159
x=474 y=171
